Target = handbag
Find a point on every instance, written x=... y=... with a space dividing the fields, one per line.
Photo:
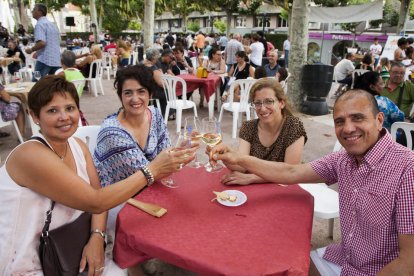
x=60 y=250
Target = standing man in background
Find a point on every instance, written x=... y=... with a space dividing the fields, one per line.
x=375 y=50
x=47 y=39
x=233 y=46
x=286 y=49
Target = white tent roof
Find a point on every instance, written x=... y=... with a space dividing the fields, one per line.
x=348 y=14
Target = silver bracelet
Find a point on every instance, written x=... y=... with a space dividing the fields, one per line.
x=148 y=175
x=100 y=232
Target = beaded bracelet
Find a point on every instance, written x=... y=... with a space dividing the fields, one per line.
x=148 y=175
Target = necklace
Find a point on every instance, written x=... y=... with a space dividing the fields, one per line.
x=64 y=155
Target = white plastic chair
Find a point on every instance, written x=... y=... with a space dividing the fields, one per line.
x=238 y=107
x=106 y=65
x=89 y=135
x=133 y=58
x=26 y=73
x=16 y=128
x=94 y=81
x=326 y=200
x=407 y=129
x=170 y=84
x=79 y=84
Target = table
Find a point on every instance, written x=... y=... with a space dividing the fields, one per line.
x=268 y=235
x=21 y=91
x=210 y=86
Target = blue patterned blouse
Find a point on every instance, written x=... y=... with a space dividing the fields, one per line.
x=118 y=155
x=391 y=112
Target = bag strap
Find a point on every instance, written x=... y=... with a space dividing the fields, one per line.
x=400 y=96
x=45 y=230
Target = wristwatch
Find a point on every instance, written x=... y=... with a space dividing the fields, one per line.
x=100 y=232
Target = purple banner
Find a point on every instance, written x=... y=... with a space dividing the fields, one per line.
x=361 y=38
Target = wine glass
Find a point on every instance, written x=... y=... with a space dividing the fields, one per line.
x=17 y=78
x=211 y=137
x=192 y=131
x=181 y=143
x=37 y=75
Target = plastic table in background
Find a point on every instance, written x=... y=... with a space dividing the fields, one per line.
x=210 y=86
x=270 y=234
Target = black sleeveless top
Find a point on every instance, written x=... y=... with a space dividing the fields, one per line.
x=243 y=74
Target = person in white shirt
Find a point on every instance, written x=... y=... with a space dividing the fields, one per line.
x=375 y=50
x=286 y=49
x=344 y=69
x=257 y=50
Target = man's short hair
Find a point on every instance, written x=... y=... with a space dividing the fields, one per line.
x=167 y=52
x=42 y=8
x=396 y=64
x=68 y=58
x=273 y=52
x=152 y=54
x=359 y=92
x=402 y=41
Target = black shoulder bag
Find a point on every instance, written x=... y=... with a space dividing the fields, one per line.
x=60 y=250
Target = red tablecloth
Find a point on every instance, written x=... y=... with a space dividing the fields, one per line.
x=269 y=235
x=208 y=85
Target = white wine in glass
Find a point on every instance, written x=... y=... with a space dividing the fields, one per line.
x=193 y=132
x=211 y=137
x=181 y=143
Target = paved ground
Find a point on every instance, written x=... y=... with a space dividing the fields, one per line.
x=321 y=140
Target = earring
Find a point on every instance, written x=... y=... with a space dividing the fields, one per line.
x=37 y=123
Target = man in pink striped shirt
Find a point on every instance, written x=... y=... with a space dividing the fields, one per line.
x=375 y=177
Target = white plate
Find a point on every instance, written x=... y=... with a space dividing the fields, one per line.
x=241 y=198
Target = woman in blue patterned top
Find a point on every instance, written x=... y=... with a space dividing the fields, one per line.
x=373 y=83
x=133 y=136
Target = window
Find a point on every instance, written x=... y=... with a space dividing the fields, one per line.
x=240 y=22
x=282 y=23
x=314 y=25
x=258 y=21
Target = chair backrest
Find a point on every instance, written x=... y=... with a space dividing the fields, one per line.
x=79 y=84
x=170 y=86
x=27 y=74
x=407 y=128
x=244 y=85
x=106 y=60
x=96 y=64
x=88 y=134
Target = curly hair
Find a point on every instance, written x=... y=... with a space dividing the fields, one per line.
x=140 y=73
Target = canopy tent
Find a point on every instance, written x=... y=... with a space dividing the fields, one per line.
x=348 y=14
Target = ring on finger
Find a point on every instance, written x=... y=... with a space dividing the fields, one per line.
x=99 y=269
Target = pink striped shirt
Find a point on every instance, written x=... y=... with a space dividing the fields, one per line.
x=376 y=204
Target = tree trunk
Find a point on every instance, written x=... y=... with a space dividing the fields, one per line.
x=297 y=55
x=289 y=22
x=94 y=20
x=405 y=4
x=24 y=20
x=149 y=14
x=228 y=26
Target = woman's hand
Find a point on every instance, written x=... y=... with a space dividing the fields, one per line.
x=226 y=154
x=171 y=160
x=94 y=255
x=237 y=178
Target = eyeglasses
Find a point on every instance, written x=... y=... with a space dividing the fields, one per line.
x=398 y=73
x=266 y=103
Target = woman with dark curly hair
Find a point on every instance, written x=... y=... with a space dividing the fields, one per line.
x=136 y=132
